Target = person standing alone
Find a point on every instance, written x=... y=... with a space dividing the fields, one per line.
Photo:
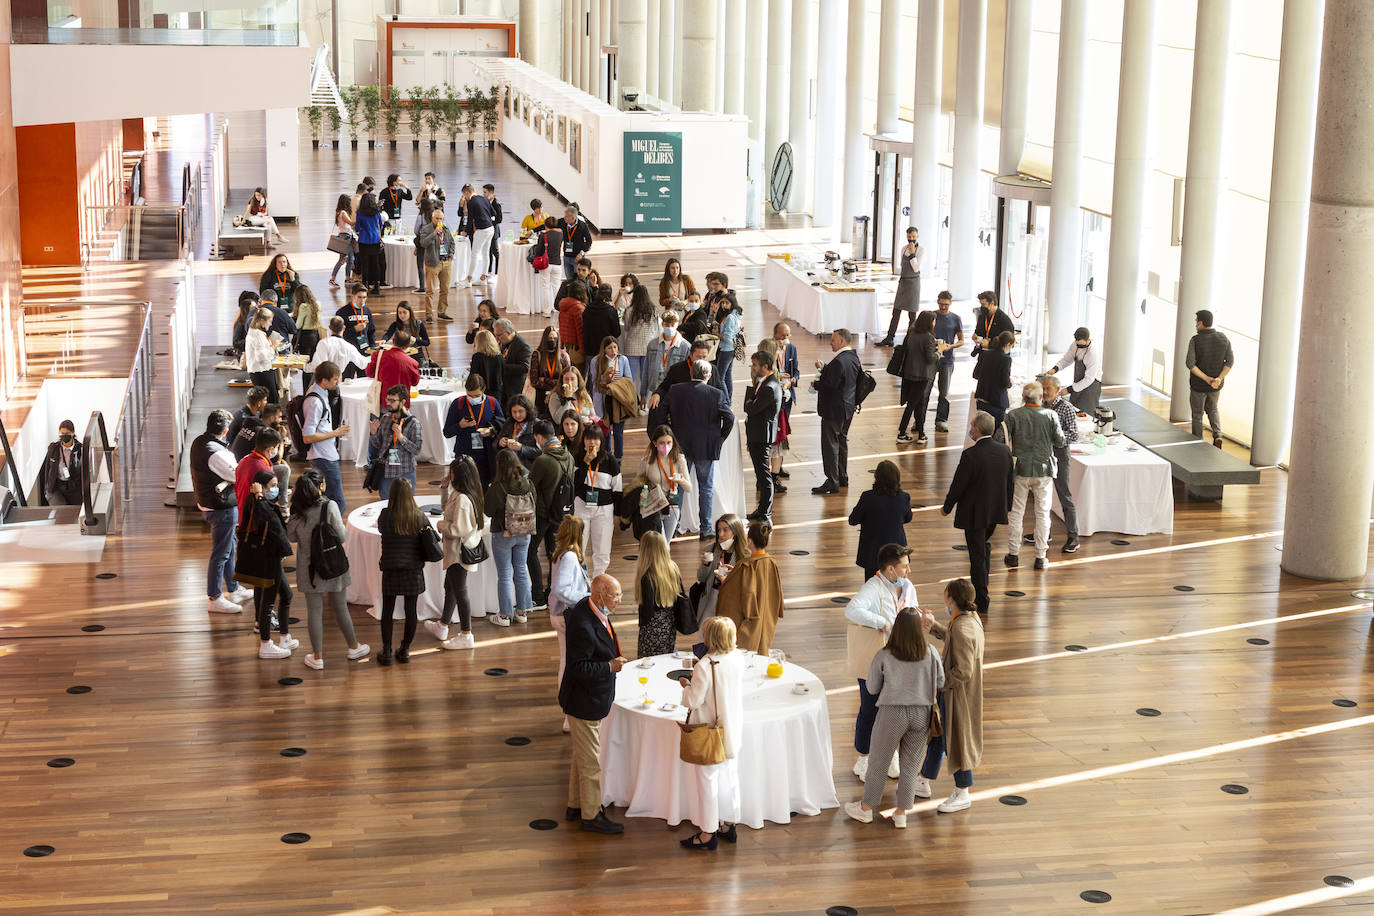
x=908 y=287
x=1209 y=362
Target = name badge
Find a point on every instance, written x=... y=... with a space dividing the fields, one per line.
x=477 y=441
x=590 y=498
x=393 y=457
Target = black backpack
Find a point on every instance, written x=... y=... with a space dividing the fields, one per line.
x=295 y=420
x=863 y=387
x=328 y=559
x=562 y=502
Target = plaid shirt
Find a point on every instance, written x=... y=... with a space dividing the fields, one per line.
x=407 y=447
x=1068 y=417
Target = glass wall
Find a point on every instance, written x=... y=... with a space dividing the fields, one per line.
x=166 y=22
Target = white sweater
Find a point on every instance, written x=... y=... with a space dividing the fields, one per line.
x=718 y=688
x=258 y=351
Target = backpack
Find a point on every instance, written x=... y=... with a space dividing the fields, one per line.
x=295 y=420
x=520 y=514
x=562 y=503
x=328 y=559
x=863 y=387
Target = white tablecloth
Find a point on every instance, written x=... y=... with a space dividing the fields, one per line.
x=431 y=410
x=364 y=548
x=400 y=260
x=784 y=759
x=1130 y=492
x=818 y=310
x=727 y=486
x=521 y=291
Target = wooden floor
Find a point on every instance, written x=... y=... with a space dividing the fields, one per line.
x=414 y=803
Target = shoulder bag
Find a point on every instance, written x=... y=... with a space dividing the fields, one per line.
x=684 y=613
x=894 y=365
x=703 y=745
x=431 y=546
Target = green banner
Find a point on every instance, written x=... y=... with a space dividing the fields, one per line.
x=653 y=183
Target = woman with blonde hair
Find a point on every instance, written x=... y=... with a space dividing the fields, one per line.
x=259 y=353
x=571 y=394
x=961 y=700
x=715 y=694
x=310 y=327
x=716 y=563
x=568 y=584
x=487 y=362
x=660 y=582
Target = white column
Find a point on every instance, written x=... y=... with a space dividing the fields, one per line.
x=855 y=163
x=1331 y=474
x=667 y=50
x=968 y=129
x=889 y=65
x=799 y=106
x=579 y=45
x=925 y=127
x=594 y=80
x=1129 y=177
x=1290 y=190
x=631 y=40
x=1015 y=83
x=775 y=128
x=282 y=132
x=755 y=73
x=530 y=28
x=719 y=104
x=699 y=44
x=733 y=96
x=681 y=68
x=829 y=115
x=1066 y=216
x=568 y=27
x=653 y=41
x=1204 y=186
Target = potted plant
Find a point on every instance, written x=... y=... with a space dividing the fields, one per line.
x=490 y=116
x=315 y=115
x=415 y=114
x=434 y=116
x=335 y=123
x=391 y=115
x=453 y=115
x=472 y=115
x=352 y=105
x=369 y=109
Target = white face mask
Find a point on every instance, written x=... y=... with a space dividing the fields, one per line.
x=727 y=543
x=477 y=402
x=669 y=331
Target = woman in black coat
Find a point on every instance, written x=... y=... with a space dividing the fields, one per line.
x=881 y=514
x=599 y=321
x=993 y=372
x=919 y=369
x=262 y=544
x=403 y=566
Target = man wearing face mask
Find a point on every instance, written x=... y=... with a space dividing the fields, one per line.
x=1085 y=356
x=762 y=406
x=62 y=468
x=664 y=352
x=212 y=477
x=472 y=423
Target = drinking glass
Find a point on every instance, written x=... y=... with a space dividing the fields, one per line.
x=644 y=682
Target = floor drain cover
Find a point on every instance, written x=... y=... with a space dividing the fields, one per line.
x=293 y=752
x=92 y=628
x=289 y=681
x=79 y=688
x=1256 y=641
x=518 y=741
x=1096 y=896
x=58 y=763
x=295 y=839
x=1076 y=648
x=495 y=672
x=544 y=823
x=38 y=852
x=1232 y=789
x=1014 y=801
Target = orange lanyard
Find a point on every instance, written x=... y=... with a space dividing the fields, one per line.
x=591 y=472
x=551 y=366
x=477 y=419
x=281 y=281
x=675 y=286
x=667 y=349
x=395 y=199
x=668 y=478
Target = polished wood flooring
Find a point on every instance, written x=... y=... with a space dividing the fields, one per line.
x=179 y=795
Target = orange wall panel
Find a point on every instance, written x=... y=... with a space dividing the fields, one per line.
x=49 y=217
x=12 y=355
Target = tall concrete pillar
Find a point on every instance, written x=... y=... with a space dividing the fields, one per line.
x=719 y=102
x=1015 y=84
x=632 y=38
x=531 y=28
x=775 y=127
x=282 y=132
x=799 y=127
x=855 y=161
x=1290 y=190
x=653 y=37
x=889 y=65
x=1204 y=186
x=572 y=60
x=1062 y=289
x=667 y=48
x=594 y=76
x=829 y=115
x=681 y=69
x=925 y=126
x=755 y=66
x=732 y=99
x=968 y=129
x=699 y=47
x=1129 y=176
x=1331 y=471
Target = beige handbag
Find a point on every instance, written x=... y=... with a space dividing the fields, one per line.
x=863 y=644
x=703 y=745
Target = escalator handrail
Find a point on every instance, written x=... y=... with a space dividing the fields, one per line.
x=14 y=468
x=96 y=424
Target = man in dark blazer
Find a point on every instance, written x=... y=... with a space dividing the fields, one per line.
x=700 y=417
x=515 y=354
x=762 y=407
x=981 y=489
x=835 y=403
x=586 y=693
x=678 y=374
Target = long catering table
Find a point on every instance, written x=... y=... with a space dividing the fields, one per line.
x=784 y=759
x=521 y=291
x=818 y=310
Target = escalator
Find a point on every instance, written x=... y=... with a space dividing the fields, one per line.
x=95 y=515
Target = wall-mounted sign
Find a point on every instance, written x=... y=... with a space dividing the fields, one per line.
x=653 y=183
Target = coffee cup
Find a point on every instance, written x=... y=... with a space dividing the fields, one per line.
x=799 y=688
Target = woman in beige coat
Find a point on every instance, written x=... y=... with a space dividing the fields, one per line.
x=751 y=594
x=461 y=526
x=961 y=700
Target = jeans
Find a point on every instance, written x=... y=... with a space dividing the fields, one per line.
x=916 y=409
x=670 y=520
x=569 y=267
x=636 y=369
x=703 y=472
x=456 y=597
x=1037 y=488
x=511 y=553
x=863 y=722
x=384 y=491
x=760 y=453
x=935 y=752
x=222 y=550
x=333 y=481
x=725 y=368
x=481 y=244
x=979 y=544
x=942 y=382
x=1199 y=401
x=617 y=442
x=345 y=258
x=1061 y=488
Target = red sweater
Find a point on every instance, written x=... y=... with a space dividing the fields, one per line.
x=245 y=472
x=391 y=366
x=570 y=322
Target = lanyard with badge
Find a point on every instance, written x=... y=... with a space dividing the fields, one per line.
x=674 y=497
x=393 y=454
x=477 y=436
x=592 y=493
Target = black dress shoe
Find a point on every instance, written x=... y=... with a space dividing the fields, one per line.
x=573 y=814
x=825 y=489
x=885 y=342
x=783 y=473
x=728 y=836
x=1012 y=560
x=757 y=517
x=384 y=657
x=403 y=655
x=844 y=483
x=602 y=824
x=695 y=842
x=778 y=487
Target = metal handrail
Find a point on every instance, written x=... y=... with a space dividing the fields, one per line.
x=18 y=488
x=94 y=424
x=134 y=411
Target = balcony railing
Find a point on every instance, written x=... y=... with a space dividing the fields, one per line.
x=176 y=22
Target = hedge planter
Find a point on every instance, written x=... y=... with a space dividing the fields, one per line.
x=471 y=144
x=314 y=144
x=393 y=144
x=353 y=144
x=415 y=144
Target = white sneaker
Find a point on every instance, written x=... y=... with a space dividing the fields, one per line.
x=892 y=770
x=360 y=652
x=241 y=595
x=312 y=662
x=861 y=768
x=436 y=629
x=222 y=605
x=272 y=650
x=501 y=621
x=923 y=788
x=521 y=618
x=899 y=820
x=461 y=641
x=288 y=642
x=856 y=811
x=957 y=801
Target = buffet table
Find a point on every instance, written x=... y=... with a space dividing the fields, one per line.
x=400 y=260
x=430 y=409
x=1127 y=489
x=364 y=548
x=784 y=756
x=521 y=291
x=727 y=487
x=818 y=310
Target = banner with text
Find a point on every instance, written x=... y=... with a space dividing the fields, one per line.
x=653 y=183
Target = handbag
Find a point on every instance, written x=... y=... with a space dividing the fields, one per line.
x=340 y=243
x=540 y=262
x=431 y=547
x=937 y=728
x=703 y=745
x=684 y=615
x=471 y=556
x=372 y=481
x=894 y=365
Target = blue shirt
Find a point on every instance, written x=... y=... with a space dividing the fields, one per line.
x=319 y=420
x=946 y=328
x=369 y=229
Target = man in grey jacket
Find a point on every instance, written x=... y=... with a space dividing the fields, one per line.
x=1033 y=433
x=436 y=241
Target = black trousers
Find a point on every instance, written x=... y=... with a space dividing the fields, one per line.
x=412 y=610
x=979 y=543
x=264 y=598
x=456 y=597
x=761 y=454
x=267 y=380
x=544 y=532
x=835 y=448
